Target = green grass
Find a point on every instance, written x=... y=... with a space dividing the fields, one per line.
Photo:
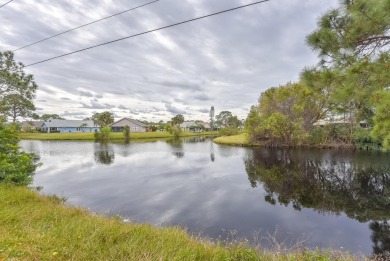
x=235 y=140
x=36 y=227
x=113 y=136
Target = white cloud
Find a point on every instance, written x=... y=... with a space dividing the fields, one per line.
x=223 y=61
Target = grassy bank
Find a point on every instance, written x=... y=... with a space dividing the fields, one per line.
x=243 y=141
x=35 y=227
x=113 y=136
x=235 y=140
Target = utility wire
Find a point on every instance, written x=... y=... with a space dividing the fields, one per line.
x=6 y=3
x=146 y=32
x=78 y=27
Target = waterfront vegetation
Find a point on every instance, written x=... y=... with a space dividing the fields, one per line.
x=36 y=227
x=16 y=167
x=114 y=136
x=349 y=86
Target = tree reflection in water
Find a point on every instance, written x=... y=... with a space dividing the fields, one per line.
x=177 y=144
x=357 y=184
x=104 y=153
x=381 y=238
x=177 y=147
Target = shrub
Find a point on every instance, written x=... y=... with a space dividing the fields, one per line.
x=16 y=167
x=126 y=133
x=103 y=135
x=364 y=141
x=176 y=130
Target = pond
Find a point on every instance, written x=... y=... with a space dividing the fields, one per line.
x=324 y=198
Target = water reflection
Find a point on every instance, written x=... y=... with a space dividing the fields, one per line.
x=177 y=144
x=104 y=153
x=381 y=238
x=204 y=187
x=330 y=182
x=177 y=147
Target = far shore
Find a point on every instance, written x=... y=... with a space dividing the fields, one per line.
x=235 y=140
x=115 y=136
x=242 y=140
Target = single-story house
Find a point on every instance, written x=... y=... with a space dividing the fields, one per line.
x=51 y=125
x=135 y=126
x=31 y=126
x=191 y=126
x=206 y=126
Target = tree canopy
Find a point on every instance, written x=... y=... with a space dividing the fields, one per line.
x=351 y=81
x=16 y=167
x=353 y=44
x=178 y=119
x=17 y=89
x=285 y=114
x=45 y=117
x=357 y=29
x=222 y=119
x=103 y=119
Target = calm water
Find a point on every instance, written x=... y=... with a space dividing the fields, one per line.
x=334 y=199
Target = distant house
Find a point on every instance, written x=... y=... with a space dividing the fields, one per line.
x=135 y=126
x=191 y=126
x=324 y=122
x=51 y=126
x=31 y=126
x=204 y=125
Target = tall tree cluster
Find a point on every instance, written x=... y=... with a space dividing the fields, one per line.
x=352 y=78
x=353 y=44
x=225 y=119
x=285 y=114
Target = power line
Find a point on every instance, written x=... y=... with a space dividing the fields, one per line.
x=6 y=3
x=78 y=27
x=147 y=32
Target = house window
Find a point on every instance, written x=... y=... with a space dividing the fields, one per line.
x=78 y=129
x=135 y=128
x=53 y=129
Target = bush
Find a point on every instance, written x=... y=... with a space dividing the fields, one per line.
x=364 y=141
x=126 y=133
x=16 y=167
x=176 y=130
x=168 y=128
x=103 y=135
x=317 y=136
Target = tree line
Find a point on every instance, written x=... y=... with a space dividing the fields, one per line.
x=350 y=85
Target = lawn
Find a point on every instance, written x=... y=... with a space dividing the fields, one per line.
x=113 y=135
x=235 y=140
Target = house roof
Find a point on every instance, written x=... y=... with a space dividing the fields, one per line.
x=189 y=124
x=35 y=124
x=68 y=124
x=117 y=123
x=203 y=124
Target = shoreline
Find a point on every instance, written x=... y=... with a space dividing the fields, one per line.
x=114 y=136
x=242 y=140
x=42 y=227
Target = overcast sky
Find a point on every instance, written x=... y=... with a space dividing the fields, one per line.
x=224 y=61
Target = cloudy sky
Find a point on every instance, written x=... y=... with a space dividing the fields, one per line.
x=224 y=61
